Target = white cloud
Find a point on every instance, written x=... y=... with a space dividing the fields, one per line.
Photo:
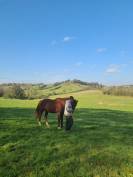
x=54 y=42
x=100 y=50
x=66 y=70
x=124 y=65
x=79 y=63
x=64 y=40
x=123 y=53
x=131 y=62
x=68 y=38
x=113 y=69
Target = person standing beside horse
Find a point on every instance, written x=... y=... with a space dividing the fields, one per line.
x=53 y=106
x=68 y=112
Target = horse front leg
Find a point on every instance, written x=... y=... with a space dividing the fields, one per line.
x=61 y=118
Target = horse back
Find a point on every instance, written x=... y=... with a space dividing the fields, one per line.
x=53 y=106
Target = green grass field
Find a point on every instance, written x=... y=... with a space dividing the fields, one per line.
x=99 y=145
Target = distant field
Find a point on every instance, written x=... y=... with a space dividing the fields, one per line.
x=99 y=145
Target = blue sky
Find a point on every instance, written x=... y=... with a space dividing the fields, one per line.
x=53 y=40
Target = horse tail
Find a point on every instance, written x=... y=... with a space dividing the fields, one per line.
x=38 y=110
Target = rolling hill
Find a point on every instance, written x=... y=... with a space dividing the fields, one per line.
x=41 y=90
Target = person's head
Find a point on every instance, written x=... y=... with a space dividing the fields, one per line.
x=71 y=97
x=74 y=102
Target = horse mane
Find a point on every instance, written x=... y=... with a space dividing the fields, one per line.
x=66 y=98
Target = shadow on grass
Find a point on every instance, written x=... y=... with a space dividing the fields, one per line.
x=90 y=125
x=99 y=139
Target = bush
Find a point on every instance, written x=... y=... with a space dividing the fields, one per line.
x=7 y=93
x=118 y=91
x=31 y=94
x=1 y=92
x=15 y=92
x=35 y=94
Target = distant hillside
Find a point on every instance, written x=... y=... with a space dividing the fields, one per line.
x=124 y=90
x=45 y=90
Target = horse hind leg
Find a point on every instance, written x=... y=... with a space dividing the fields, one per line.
x=38 y=117
x=46 y=119
x=59 y=121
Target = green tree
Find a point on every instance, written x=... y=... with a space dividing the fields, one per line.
x=1 y=92
x=17 y=92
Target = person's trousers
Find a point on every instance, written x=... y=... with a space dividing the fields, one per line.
x=69 y=122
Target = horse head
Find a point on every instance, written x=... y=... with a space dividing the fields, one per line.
x=73 y=102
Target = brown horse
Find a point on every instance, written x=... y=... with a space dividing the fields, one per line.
x=53 y=106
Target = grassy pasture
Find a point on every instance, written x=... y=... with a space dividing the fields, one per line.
x=99 y=145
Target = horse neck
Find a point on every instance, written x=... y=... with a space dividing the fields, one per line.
x=61 y=100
